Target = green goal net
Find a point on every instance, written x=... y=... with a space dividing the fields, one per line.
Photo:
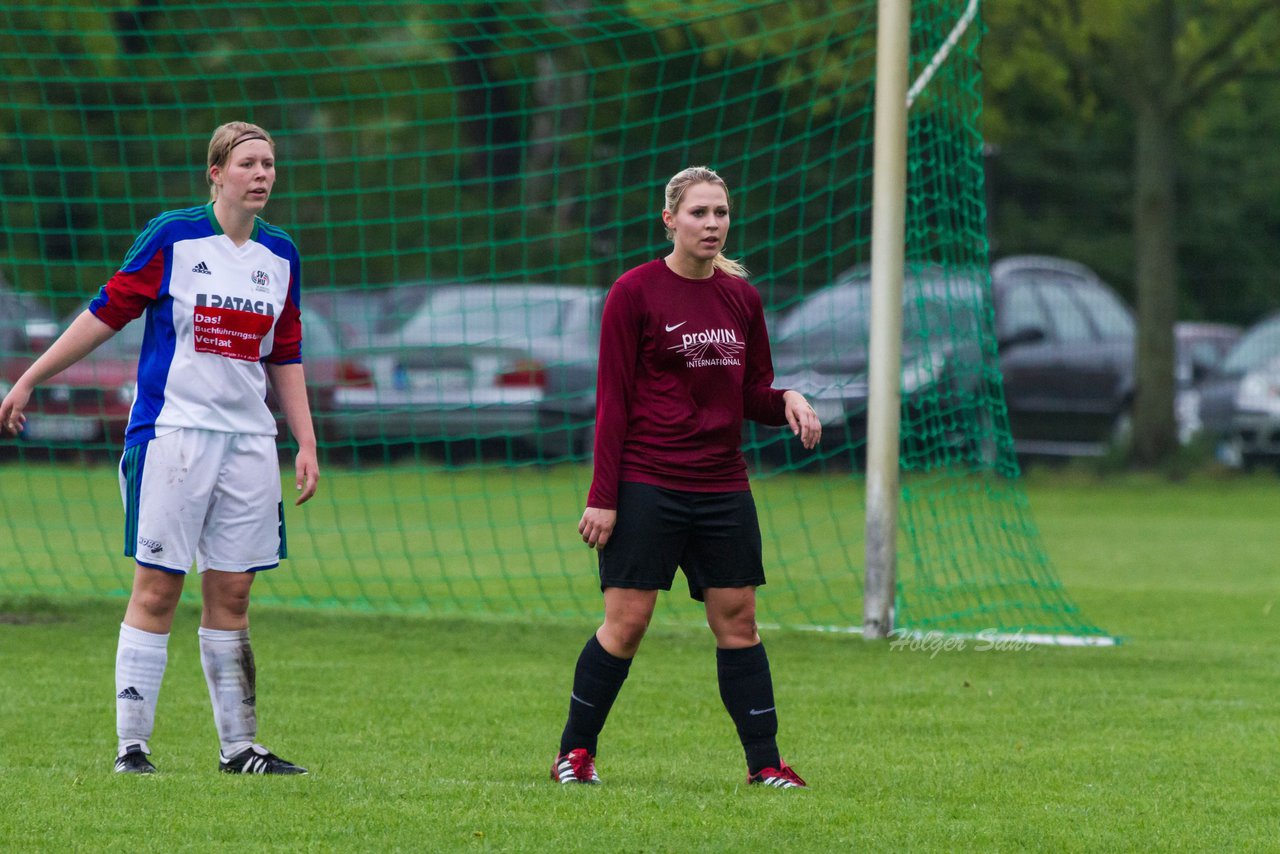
x=464 y=181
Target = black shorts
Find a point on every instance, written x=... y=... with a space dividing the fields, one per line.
x=713 y=536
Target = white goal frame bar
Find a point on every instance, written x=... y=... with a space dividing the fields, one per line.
x=893 y=99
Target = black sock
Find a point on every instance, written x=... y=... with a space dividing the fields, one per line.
x=746 y=687
x=596 y=682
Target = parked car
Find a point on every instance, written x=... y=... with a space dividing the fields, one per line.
x=27 y=327
x=1066 y=343
x=472 y=362
x=1064 y=339
x=1199 y=350
x=88 y=404
x=359 y=315
x=821 y=348
x=1240 y=400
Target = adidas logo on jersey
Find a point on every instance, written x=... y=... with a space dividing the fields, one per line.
x=202 y=268
x=130 y=693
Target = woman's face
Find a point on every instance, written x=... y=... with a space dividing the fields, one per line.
x=246 y=179
x=701 y=221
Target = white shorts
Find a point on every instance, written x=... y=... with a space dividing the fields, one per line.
x=204 y=496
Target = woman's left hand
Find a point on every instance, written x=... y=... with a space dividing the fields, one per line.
x=307 y=470
x=803 y=420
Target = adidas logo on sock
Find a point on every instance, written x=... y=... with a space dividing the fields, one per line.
x=202 y=268
x=130 y=693
x=251 y=700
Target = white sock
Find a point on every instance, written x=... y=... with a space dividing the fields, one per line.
x=140 y=660
x=227 y=658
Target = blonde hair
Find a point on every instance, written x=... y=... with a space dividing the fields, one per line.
x=225 y=138
x=676 y=187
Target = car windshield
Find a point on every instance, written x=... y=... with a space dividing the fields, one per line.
x=1259 y=348
x=839 y=317
x=486 y=314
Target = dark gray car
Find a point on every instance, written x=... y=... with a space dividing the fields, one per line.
x=1066 y=343
x=820 y=348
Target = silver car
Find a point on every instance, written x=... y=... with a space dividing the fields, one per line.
x=470 y=363
x=1240 y=401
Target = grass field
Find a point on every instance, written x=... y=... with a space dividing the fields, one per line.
x=436 y=733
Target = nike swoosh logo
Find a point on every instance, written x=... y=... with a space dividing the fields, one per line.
x=582 y=701
x=677 y=326
x=761 y=711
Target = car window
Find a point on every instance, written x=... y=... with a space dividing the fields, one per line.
x=1259 y=347
x=830 y=320
x=1110 y=316
x=838 y=319
x=318 y=339
x=1066 y=317
x=485 y=313
x=1195 y=357
x=1022 y=309
x=939 y=316
x=581 y=316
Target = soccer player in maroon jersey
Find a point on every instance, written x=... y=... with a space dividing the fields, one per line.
x=200 y=474
x=684 y=358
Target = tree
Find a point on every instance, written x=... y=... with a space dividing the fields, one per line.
x=1165 y=60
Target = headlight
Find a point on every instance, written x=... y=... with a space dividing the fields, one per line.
x=1259 y=392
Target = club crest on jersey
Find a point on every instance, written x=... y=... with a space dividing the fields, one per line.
x=710 y=347
x=238 y=303
x=261 y=282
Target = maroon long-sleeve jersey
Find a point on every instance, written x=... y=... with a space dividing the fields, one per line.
x=682 y=362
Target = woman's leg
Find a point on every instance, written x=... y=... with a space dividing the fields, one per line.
x=742 y=668
x=227 y=658
x=142 y=652
x=602 y=667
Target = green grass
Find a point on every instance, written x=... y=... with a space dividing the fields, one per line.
x=416 y=537
x=436 y=733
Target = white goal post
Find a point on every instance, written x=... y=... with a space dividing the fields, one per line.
x=888 y=213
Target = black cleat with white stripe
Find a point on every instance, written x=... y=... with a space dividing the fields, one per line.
x=133 y=760
x=256 y=759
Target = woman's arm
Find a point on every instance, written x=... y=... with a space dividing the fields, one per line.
x=615 y=375
x=290 y=384
x=85 y=334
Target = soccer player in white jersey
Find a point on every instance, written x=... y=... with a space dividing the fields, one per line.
x=200 y=475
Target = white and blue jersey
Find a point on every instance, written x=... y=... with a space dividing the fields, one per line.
x=215 y=312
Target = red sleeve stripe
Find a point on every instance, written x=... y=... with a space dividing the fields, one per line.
x=126 y=295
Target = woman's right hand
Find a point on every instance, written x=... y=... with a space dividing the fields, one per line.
x=597 y=526
x=11 y=417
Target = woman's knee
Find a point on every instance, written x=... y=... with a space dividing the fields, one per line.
x=732 y=619
x=624 y=633
x=626 y=619
x=156 y=595
x=226 y=595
